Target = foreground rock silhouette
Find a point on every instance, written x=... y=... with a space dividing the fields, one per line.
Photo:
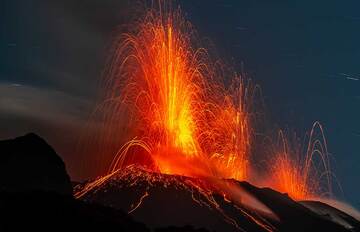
x=28 y=163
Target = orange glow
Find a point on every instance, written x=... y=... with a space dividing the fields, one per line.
x=233 y=130
x=165 y=108
x=185 y=121
x=289 y=178
x=301 y=176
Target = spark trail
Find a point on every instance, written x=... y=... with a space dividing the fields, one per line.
x=302 y=175
x=183 y=119
x=167 y=111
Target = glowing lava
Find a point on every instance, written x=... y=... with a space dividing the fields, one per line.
x=303 y=176
x=185 y=121
x=164 y=100
x=166 y=109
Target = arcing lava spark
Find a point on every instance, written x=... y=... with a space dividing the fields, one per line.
x=165 y=104
x=183 y=119
x=302 y=176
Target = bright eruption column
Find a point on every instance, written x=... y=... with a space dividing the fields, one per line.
x=184 y=120
x=166 y=107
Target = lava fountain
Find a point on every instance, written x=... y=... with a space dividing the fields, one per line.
x=181 y=119
x=184 y=120
x=303 y=175
x=166 y=110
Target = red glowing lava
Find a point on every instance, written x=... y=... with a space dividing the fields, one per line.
x=165 y=108
x=302 y=176
x=184 y=120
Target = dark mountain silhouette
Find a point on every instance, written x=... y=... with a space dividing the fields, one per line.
x=44 y=211
x=28 y=163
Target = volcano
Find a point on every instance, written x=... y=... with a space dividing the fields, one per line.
x=174 y=144
x=161 y=200
x=136 y=199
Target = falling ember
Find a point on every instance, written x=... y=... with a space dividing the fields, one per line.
x=184 y=120
x=303 y=176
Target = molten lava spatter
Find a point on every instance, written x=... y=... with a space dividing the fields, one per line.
x=166 y=110
x=168 y=119
x=184 y=120
x=169 y=95
x=303 y=176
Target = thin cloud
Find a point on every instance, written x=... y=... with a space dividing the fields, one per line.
x=34 y=103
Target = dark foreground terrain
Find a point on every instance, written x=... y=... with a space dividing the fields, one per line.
x=36 y=195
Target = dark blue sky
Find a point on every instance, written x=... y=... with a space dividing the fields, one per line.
x=304 y=54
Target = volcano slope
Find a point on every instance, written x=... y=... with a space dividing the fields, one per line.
x=35 y=194
x=161 y=200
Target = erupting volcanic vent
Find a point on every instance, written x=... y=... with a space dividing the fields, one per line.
x=167 y=112
x=300 y=175
x=182 y=118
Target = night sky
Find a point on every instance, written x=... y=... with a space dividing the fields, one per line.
x=305 y=56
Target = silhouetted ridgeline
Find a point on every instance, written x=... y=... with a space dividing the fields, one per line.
x=28 y=163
